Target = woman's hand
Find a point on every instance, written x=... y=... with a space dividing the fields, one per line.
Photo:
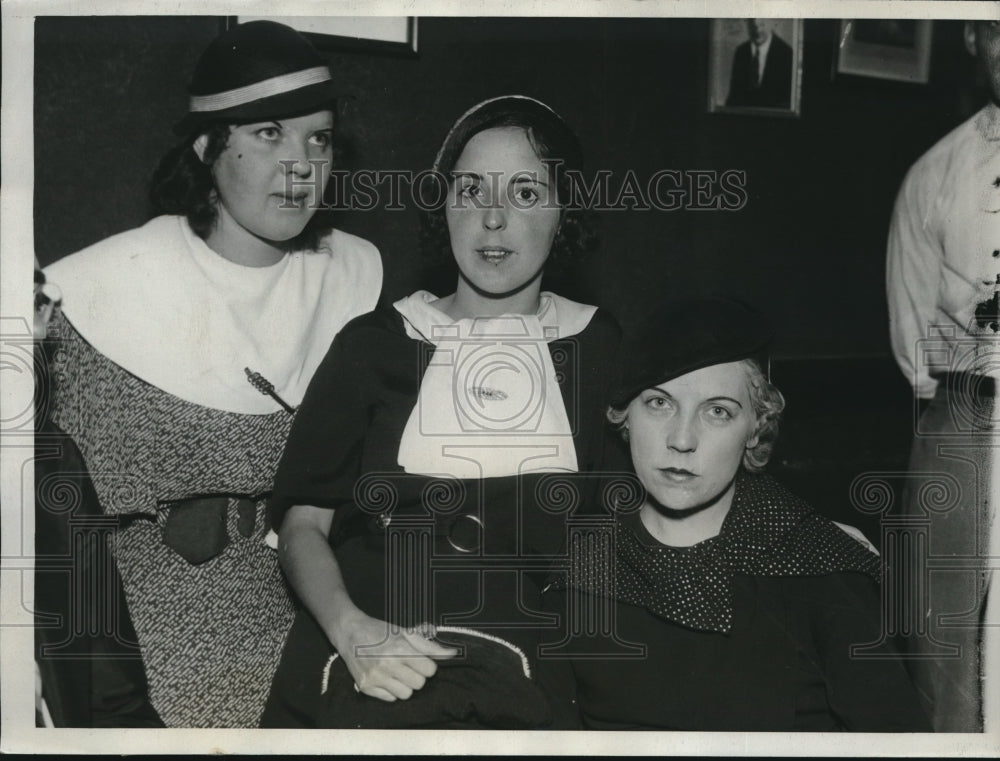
x=388 y=665
x=385 y=664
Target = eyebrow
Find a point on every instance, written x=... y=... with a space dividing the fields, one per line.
x=279 y=123
x=725 y=399
x=521 y=178
x=324 y=128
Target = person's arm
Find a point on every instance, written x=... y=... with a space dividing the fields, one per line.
x=388 y=665
x=870 y=691
x=913 y=267
x=598 y=364
x=315 y=480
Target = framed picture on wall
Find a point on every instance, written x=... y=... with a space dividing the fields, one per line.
x=394 y=35
x=755 y=66
x=897 y=49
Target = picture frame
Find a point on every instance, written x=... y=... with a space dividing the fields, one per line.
x=382 y=35
x=774 y=88
x=896 y=49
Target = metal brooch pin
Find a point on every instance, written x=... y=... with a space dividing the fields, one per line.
x=265 y=387
x=488 y=394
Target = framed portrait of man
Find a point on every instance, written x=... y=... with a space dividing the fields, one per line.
x=388 y=35
x=755 y=66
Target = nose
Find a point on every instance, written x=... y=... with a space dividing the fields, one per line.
x=495 y=216
x=682 y=434
x=298 y=163
x=302 y=168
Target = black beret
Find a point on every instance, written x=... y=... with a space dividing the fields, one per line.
x=686 y=336
x=256 y=71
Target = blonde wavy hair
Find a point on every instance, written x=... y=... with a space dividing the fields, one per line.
x=767 y=402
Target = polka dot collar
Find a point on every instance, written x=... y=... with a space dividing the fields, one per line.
x=768 y=532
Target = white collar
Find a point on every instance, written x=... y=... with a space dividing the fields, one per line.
x=558 y=317
x=161 y=304
x=490 y=404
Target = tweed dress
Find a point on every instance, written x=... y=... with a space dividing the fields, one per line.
x=211 y=622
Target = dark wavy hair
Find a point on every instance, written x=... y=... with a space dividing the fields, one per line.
x=183 y=185
x=554 y=143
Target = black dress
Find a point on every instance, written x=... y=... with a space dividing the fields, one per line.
x=485 y=543
x=750 y=630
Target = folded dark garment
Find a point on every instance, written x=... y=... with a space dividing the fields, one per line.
x=488 y=684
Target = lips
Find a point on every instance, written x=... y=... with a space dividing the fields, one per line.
x=494 y=254
x=291 y=199
x=677 y=475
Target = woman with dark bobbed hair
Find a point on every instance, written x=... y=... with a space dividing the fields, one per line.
x=415 y=523
x=184 y=346
x=723 y=602
x=557 y=149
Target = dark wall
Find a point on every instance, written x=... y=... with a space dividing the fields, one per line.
x=808 y=246
x=107 y=90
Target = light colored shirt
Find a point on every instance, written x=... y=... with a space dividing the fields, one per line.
x=489 y=403
x=762 y=51
x=943 y=263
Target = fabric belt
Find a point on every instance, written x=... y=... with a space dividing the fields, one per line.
x=197 y=530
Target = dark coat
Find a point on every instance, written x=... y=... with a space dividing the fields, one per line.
x=775 y=88
x=751 y=630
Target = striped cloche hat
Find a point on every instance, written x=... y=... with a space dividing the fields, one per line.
x=497 y=112
x=256 y=71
